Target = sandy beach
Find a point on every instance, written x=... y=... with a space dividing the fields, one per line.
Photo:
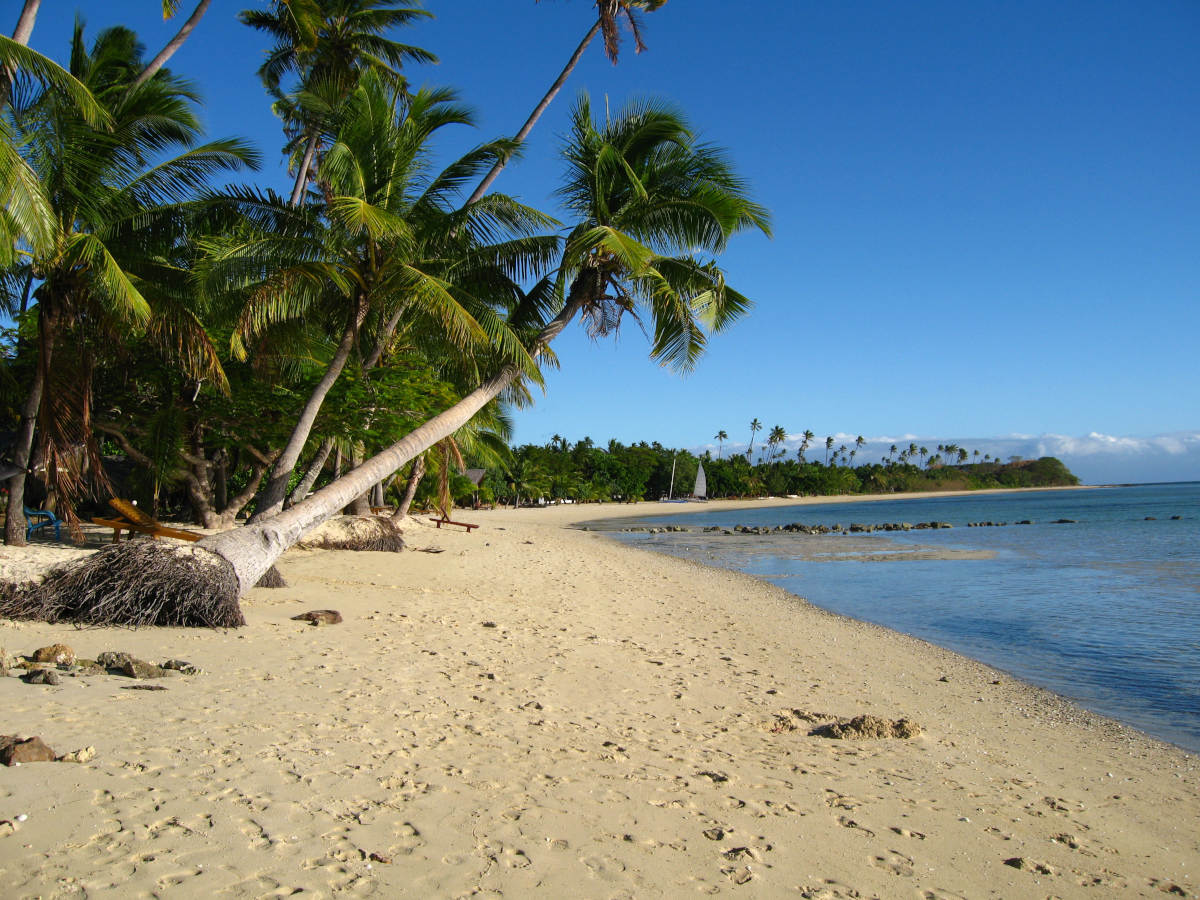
x=539 y=711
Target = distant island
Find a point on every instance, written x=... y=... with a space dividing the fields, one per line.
x=585 y=472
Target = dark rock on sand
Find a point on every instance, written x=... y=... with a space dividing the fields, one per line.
x=130 y=666
x=868 y=727
x=139 y=668
x=319 y=617
x=42 y=676
x=112 y=659
x=14 y=751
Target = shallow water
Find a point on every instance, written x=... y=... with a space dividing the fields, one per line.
x=1105 y=611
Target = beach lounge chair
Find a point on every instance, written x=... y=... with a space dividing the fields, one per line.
x=41 y=518
x=445 y=520
x=132 y=519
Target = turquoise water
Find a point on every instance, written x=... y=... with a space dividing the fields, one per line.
x=1105 y=611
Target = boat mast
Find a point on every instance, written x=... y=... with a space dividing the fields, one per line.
x=671 y=489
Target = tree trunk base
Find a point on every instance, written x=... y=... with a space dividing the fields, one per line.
x=133 y=584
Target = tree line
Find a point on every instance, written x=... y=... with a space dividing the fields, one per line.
x=585 y=472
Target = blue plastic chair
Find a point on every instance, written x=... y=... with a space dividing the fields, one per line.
x=41 y=518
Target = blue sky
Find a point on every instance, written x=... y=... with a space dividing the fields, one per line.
x=986 y=215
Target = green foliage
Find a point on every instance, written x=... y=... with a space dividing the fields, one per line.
x=640 y=471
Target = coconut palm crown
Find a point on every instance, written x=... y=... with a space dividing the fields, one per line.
x=651 y=203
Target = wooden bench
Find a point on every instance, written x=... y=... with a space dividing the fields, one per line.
x=446 y=521
x=132 y=519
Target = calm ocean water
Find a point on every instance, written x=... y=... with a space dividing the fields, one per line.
x=1105 y=611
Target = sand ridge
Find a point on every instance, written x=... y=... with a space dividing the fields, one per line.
x=538 y=711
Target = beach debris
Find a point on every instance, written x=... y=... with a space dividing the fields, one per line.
x=714 y=834
x=143 y=687
x=430 y=550
x=488 y=624
x=354 y=533
x=380 y=858
x=41 y=676
x=868 y=727
x=183 y=667
x=59 y=654
x=82 y=755
x=714 y=777
x=14 y=750
x=272 y=578
x=319 y=617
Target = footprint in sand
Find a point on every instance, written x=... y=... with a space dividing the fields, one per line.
x=896 y=863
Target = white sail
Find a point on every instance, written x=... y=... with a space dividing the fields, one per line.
x=701 y=489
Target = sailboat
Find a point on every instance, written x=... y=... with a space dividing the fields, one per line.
x=700 y=491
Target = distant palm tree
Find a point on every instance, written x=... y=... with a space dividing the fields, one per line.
x=777 y=436
x=721 y=437
x=924 y=452
x=828 y=447
x=859 y=441
x=962 y=455
x=755 y=427
x=891 y=452
x=976 y=455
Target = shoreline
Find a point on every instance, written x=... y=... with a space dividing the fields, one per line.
x=541 y=711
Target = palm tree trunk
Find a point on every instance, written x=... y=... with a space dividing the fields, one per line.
x=360 y=505
x=174 y=44
x=410 y=489
x=271 y=500
x=14 y=521
x=305 y=165
x=25 y=23
x=21 y=35
x=537 y=112
x=312 y=472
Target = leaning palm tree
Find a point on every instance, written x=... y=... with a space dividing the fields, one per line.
x=114 y=221
x=648 y=199
x=721 y=437
x=828 y=447
x=755 y=427
x=609 y=14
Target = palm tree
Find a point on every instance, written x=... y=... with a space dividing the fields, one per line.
x=328 y=45
x=755 y=427
x=808 y=436
x=721 y=437
x=608 y=16
x=114 y=221
x=859 y=442
x=891 y=452
x=386 y=243
x=828 y=447
x=776 y=437
x=648 y=199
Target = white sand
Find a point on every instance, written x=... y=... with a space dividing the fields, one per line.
x=541 y=712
